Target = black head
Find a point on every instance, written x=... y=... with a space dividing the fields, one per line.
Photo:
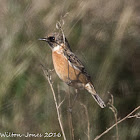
x=55 y=39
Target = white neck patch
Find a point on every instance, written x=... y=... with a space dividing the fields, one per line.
x=57 y=48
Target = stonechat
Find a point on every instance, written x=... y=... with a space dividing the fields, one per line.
x=68 y=67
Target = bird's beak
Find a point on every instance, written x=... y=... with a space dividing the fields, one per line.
x=43 y=39
x=47 y=40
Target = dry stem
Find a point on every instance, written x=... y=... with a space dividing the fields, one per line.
x=48 y=77
x=70 y=117
x=126 y=117
x=88 y=123
x=135 y=116
x=114 y=110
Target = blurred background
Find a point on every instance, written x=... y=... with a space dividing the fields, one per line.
x=105 y=34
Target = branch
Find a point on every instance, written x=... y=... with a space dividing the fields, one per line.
x=48 y=77
x=117 y=123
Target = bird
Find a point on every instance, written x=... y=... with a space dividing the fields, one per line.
x=68 y=66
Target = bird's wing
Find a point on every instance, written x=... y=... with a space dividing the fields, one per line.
x=75 y=62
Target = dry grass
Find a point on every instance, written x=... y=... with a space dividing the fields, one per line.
x=105 y=36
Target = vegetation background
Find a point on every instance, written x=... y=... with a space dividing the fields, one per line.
x=105 y=34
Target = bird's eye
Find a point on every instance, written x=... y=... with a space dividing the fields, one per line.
x=52 y=39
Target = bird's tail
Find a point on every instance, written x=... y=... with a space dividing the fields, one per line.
x=96 y=97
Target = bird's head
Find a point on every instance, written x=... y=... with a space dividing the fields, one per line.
x=56 y=40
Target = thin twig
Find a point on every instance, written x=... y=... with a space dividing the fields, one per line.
x=70 y=117
x=115 y=112
x=48 y=77
x=59 y=25
x=126 y=117
x=88 y=123
x=61 y=102
x=135 y=116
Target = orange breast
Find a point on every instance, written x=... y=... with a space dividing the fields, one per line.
x=65 y=71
